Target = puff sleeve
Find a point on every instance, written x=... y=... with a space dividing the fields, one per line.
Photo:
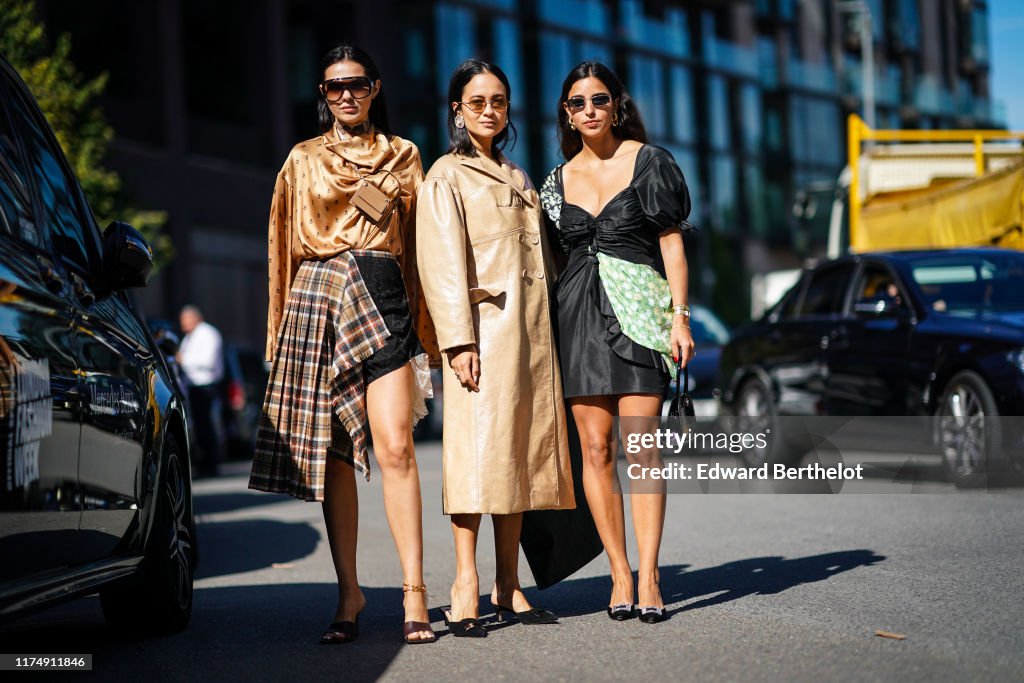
x=441 y=258
x=663 y=193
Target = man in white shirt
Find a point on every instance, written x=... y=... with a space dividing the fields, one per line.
x=201 y=356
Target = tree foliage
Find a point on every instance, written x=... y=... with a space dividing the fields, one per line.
x=67 y=99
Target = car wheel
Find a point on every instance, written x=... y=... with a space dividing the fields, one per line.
x=756 y=414
x=968 y=435
x=162 y=600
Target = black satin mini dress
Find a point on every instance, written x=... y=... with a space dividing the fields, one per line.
x=596 y=357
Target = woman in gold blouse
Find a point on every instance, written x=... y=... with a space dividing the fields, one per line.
x=342 y=334
x=485 y=276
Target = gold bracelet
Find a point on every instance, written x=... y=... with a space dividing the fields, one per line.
x=681 y=309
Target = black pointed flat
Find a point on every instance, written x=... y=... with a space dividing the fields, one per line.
x=528 y=617
x=621 y=612
x=652 y=615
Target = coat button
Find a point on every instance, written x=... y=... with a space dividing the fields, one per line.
x=526 y=274
x=539 y=274
x=535 y=239
x=522 y=237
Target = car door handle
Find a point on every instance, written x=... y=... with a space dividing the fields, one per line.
x=51 y=277
x=83 y=292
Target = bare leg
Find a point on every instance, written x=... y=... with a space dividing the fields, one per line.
x=389 y=407
x=341 y=516
x=466 y=589
x=648 y=502
x=600 y=481
x=507 y=591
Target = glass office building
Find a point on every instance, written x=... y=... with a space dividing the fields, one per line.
x=751 y=97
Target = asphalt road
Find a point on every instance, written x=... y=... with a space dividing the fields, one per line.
x=759 y=588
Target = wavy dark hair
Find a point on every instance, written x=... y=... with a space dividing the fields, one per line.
x=631 y=126
x=458 y=138
x=379 y=107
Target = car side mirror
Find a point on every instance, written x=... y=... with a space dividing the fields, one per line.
x=878 y=307
x=167 y=341
x=127 y=257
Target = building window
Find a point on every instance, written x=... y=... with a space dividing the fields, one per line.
x=456 y=40
x=670 y=36
x=718 y=113
x=979 y=35
x=814 y=132
x=724 y=214
x=682 y=112
x=647 y=86
x=750 y=113
x=589 y=16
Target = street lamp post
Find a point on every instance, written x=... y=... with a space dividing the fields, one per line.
x=861 y=11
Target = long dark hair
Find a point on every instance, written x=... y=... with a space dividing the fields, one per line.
x=631 y=126
x=458 y=138
x=379 y=107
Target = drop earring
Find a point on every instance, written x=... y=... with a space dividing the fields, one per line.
x=572 y=124
x=615 y=119
x=459 y=121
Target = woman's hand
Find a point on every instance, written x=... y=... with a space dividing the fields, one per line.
x=465 y=361
x=682 y=345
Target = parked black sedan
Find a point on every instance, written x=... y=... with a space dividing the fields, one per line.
x=95 y=491
x=921 y=333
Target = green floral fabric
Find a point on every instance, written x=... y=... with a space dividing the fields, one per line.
x=642 y=302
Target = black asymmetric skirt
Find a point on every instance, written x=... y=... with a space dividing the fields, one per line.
x=597 y=359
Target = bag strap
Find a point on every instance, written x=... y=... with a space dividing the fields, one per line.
x=685 y=373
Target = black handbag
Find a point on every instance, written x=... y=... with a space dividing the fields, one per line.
x=682 y=404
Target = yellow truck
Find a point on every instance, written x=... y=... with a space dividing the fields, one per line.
x=923 y=189
x=913 y=189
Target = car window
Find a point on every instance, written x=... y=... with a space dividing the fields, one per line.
x=16 y=217
x=971 y=284
x=787 y=308
x=825 y=292
x=877 y=283
x=71 y=233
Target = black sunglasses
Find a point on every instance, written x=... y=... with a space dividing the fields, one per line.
x=578 y=102
x=334 y=89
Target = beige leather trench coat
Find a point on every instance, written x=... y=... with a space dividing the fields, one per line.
x=482 y=263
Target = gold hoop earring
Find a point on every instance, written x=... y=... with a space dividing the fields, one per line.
x=459 y=121
x=572 y=125
x=615 y=119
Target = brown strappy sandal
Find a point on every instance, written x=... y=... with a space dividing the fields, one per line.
x=410 y=627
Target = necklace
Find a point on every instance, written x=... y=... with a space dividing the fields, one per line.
x=342 y=131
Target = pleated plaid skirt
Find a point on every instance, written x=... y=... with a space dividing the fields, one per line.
x=315 y=406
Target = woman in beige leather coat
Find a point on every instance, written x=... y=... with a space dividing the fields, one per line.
x=481 y=257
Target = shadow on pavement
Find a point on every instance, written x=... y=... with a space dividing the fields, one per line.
x=247 y=545
x=266 y=632
x=213 y=503
x=715 y=585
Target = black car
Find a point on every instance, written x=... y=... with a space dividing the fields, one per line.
x=917 y=333
x=95 y=493
x=245 y=384
x=242 y=388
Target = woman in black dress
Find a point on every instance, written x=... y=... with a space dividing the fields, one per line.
x=617 y=208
